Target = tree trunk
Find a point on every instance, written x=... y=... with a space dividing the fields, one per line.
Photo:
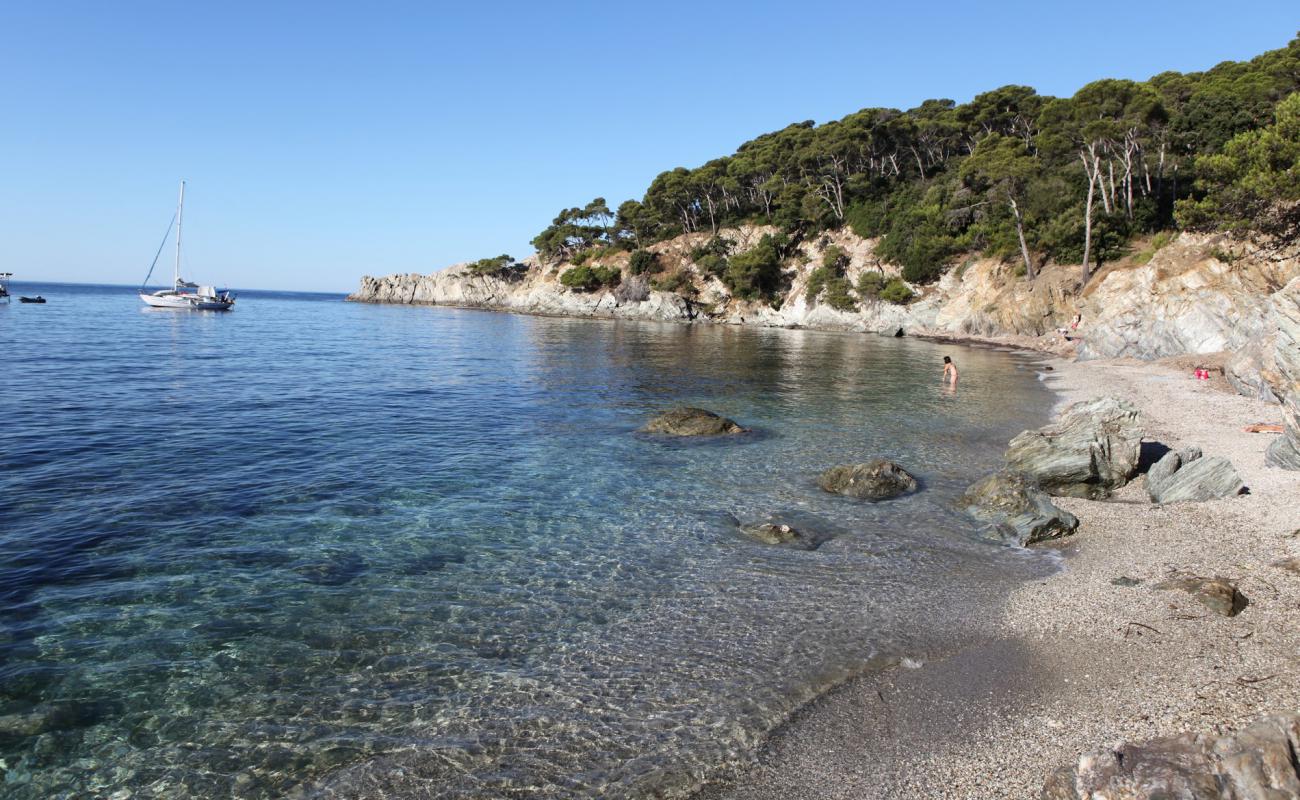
x=1087 y=216
x=1020 y=231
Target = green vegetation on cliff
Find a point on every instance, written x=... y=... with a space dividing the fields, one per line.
x=1012 y=173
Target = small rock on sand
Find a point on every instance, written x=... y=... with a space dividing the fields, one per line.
x=1184 y=476
x=1220 y=595
x=1258 y=762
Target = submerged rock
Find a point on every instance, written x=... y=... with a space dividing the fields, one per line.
x=687 y=421
x=781 y=534
x=878 y=479
x=1183 y=476
x=1257 y=762
x=1016 y=510
x=1091 y=449
x=1220 y=595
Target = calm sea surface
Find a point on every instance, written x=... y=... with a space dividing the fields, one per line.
x=310 y=548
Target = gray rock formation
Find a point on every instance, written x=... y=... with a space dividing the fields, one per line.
x=1091 y=449
x=1220 y=595
x=1186 y=299
x=1183 y=476
x=1016 y=510
x=781 y=534
x=877 y=479
x=1257 y=763
x=1284 y=452
x=687 y=421
x=1252 y=372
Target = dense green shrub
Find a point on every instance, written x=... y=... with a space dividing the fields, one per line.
x=712 y=264
x=756 y=273
x=588 y=279
x=870 y=284
x=492 y=266
x=837 y=295
x=643 y=262
x=896 y=291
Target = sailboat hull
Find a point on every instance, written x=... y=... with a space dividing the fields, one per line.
x=191 y=302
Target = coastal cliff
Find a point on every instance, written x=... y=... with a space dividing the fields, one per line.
x=1197 y=294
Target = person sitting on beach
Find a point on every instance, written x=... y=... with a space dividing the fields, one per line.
x=949 y=371
x=1074 y=323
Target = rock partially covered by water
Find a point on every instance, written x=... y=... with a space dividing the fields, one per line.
x=1182 y=476
x=1016 y=510
x=1090 y=450
x=1220 y=595
x=878 y=479
x=687 y=421
x=1285 y=451
x=1258 y=762
x=779 y=533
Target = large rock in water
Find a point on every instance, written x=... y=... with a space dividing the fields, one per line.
x=1285 y=451
x=877 y=479
x=1016 y=510
x=1092 y=448
x=779 y=533
x=1183 y=476
x=686 y=421
x=1257 y=763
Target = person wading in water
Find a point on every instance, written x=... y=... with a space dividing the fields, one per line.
x=949 y=371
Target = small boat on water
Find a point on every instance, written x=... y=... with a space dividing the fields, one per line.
x=4 y=285
x=202 y=298
x=36 y=299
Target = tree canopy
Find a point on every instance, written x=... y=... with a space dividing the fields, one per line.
x=1010 y=173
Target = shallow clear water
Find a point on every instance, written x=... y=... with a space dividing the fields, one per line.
x=310 y=547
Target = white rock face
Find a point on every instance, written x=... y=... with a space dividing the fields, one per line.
x=1285 y=451
x=1186 y=299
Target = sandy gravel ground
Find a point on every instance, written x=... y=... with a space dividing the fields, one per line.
x=1079 y=662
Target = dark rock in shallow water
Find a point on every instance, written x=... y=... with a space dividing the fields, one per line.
x=1092 y=448
x=334 y=571
x=782 y=534
x=1183 y=476
x=1258 y=763
x=1016 y=510
x=1220 y=595
x=57 y=716
x=877 y=479
x=688 y=421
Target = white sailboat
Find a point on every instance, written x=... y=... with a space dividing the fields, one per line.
x=203 y=298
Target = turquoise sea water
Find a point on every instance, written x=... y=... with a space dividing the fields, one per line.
x=310 y=548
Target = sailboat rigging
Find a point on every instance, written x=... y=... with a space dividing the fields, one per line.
x=203 y=298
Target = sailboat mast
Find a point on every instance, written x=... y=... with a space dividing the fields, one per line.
x=180 y=212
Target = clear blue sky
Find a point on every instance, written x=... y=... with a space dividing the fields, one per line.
x=326 y=140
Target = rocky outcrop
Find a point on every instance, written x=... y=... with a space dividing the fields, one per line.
x=877 y=479
x=778 y=533
x=1285 y=451
x=1220 y=595
x=1091 y=449
x=1252 y=372
x=1257 y=763
x=1198 y=294
x=687 y=421
x=1183 y=476
x=1016 y=511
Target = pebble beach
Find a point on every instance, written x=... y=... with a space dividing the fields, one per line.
x=1094 y=654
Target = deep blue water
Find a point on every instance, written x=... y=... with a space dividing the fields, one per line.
x=326 y=549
